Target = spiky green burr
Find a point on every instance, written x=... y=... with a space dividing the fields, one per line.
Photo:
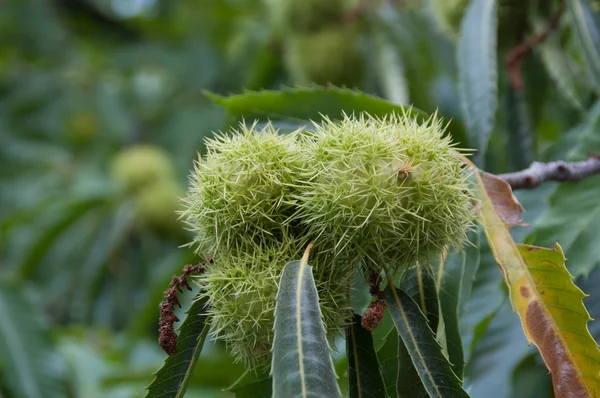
x=307 y=16
x=241 y=288
x=329 y=56
x=139 y=166
x=378 y=192
x=388 y=192
x=240 y=192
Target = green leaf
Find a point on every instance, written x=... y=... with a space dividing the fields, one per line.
x=390 y=68
x=559 y=66
x=172 y=379
x=110 y=237
x=477 y=66
x=586 y=29
x=303 y=104
x=252 y=385
x=388 y=360
x=518 y=126
x=589 y=284
x=457 y=279
x=302 y=365
x=573 y=219
x=28 y=368
x=73 y=211
x=531 y=379
x=497 y=353
x=419 y=284
x=363 y=366
x=426 y=353
x=487 y=295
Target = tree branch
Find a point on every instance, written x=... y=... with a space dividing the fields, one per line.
x=538 y=172
x=516 y=55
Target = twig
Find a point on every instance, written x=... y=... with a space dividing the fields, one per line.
x=538 y=172
x=516 y=55
x=167 y=338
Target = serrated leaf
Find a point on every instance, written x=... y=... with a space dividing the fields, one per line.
x=302 y=365
x=555 y=320
x=28 y=367
x=477 y=65
x=303 y=104
x=364 y=379
x=549 y=304
x=432 y=367
x=251 y=385
x=586 y=29
x=172 y=378
x=457 y=277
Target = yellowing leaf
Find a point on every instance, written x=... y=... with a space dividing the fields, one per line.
x=555 y=320
x=542 y=292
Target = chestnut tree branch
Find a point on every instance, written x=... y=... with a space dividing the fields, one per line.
x=516 y=55
x=538 y=172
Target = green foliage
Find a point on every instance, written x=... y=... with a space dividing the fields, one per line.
x=363 y=366
x=27 y=358
x=578 y=239
x=433 y=368
x=252 y=385
x=303 y=104
x=588 y=35
x=477 y=64
x=497 y=354
x=449 y=14
x=319 y=40
x=323 y=57
x=88 y=242
x=307 y=16
x=420 y=287
x=457 y=275
x=173 y=378
x=301 y=362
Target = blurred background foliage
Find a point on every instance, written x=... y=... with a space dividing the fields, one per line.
x=102 y=113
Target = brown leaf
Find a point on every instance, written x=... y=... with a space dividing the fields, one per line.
x=505 y=203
